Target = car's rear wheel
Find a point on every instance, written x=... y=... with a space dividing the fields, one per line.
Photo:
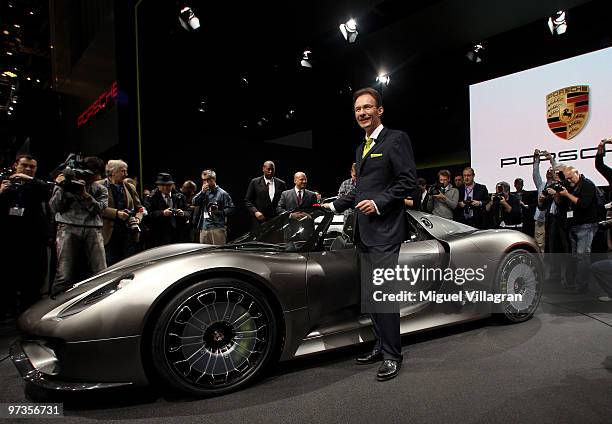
x=214 y=337
x=520 y=273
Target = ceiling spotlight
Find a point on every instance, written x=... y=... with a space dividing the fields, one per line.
x=14 y=99
x=475 y=55
x=29 y=79
x=5 y=32
x=17 y=25
x=305 y=62
x=10 y=74
x=9 y=113
x=349 y=30
x=37 y=80
x=383 y=79
x=557 y=24
x=188 y=19
x=290 y=114
x=9 y=53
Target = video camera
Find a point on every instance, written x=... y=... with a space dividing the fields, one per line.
x=76 y=174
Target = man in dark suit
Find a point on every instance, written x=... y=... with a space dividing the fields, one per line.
x=386 y=175
x=168 y=213
x=263 y=195
x=472 y=200
x=298 y=196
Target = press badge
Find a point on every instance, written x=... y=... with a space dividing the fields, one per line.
x=570 y=214
x=16 y=211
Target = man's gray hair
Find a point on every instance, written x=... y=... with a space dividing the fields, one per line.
x=113 y=165
x=505 y=186
x=212 y=174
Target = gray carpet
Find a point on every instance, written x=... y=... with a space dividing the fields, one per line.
x=555 y=368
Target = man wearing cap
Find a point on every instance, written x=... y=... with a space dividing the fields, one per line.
x=168 y=213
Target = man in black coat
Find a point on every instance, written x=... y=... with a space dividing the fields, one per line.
x=167 y=213
x=297 y=196
x=386 y=175
x=472 y=200
x=263 y=195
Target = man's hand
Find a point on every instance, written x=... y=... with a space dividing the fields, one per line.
x=167 y=212
x=439 y=196
x=536 y=155
x=123 y=215
x=461 y=205
x=59 y=179
x=260 y=216
x=22 y=176
x=180 y=212
x=5 y=185
x=366 y=206
x=326 y=206
x=563 y=192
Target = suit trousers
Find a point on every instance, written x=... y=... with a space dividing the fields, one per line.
x=386 y=324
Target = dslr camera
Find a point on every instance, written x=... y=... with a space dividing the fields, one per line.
x=175 y=212
x=434 y=190
x=16 y=183
x=213 y=207
x=555 y=185
x=498 y=195
x=132 y=222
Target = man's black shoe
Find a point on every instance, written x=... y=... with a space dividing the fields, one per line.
x=369 y=358
x=388 y=370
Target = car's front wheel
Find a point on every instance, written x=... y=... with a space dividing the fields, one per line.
x=213 y=337
x=519 y=277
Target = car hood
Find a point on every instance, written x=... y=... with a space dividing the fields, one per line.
x=158 y=253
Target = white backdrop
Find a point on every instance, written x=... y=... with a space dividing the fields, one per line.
x=508 y=119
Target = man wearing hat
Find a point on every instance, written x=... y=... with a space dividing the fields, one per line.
x=168 y=213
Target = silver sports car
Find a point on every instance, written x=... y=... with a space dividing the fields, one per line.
x=209 y=319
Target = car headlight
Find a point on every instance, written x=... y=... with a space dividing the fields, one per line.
x=97 y=295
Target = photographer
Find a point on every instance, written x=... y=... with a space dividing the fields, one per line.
x=504 y=208
x=78 y=202
x=215 y=205
x=606 y=171
x=582 y=219
x=24 y=225
x=442 y=197
x=540 y=215
x=121 y=219
x=472 y=198
x=167 y=213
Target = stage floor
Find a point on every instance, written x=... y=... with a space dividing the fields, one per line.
x=555 y=368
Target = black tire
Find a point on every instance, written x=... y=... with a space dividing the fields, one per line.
x=520 y=272
x=214 y=337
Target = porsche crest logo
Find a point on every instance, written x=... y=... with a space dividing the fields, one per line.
x=567 y=110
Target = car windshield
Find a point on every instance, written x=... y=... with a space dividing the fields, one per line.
x=290 y=232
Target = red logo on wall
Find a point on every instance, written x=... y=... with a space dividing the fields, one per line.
x=100 y=104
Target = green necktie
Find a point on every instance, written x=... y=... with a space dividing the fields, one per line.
x=367 y=147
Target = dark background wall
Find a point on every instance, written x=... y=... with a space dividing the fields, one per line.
x=232 y=94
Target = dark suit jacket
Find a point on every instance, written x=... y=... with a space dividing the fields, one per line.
x=480 y=193
x=288 y=200
x=166 y=229
x=387 y=175
x=257 y=198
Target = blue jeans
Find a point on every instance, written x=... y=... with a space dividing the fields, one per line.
x=581 y=238
x=602 y=271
